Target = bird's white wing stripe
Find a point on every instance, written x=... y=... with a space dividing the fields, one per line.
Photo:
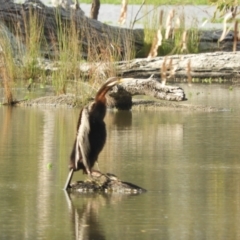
x=82 y=138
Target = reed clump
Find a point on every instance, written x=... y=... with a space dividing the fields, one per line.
x=67 y=50
x=68 y=56
x=167 y=34
x=34 y=40
x=7 y=65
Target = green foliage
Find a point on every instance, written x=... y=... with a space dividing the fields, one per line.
x=34 y=39
x=179 y=40
x=224 y=5
x=68 y=54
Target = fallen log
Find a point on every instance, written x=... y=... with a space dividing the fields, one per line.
x=150 y=87
x=92 y=33
x=223 y=65
x=218 y=66
x=122 y=94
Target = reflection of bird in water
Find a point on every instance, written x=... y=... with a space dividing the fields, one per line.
x=85 y=213
x=91 y=132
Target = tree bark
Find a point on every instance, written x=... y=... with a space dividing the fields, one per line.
x=95 y=9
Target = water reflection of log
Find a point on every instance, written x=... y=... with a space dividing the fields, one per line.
x=45 y=157
x=5 y=126
x=119 y=119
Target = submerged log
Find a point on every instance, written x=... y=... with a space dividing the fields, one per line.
x=105 y=183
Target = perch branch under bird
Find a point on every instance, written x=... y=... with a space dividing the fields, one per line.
x=91 y=132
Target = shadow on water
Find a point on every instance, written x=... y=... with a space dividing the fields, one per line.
x=121 y=118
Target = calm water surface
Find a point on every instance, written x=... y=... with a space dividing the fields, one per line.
x=188 y=161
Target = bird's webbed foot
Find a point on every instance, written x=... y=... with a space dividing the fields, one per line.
x=97 y=177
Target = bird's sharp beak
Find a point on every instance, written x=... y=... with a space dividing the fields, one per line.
x=121 y=80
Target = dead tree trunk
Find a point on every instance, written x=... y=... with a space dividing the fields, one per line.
x=95 y=9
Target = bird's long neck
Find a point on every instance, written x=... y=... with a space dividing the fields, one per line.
x=99 y=111
x=101 y=94
x=100 y=99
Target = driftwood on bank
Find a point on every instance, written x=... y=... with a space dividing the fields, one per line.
x=122 y=94
x=150 y=87
x=216 y=65
x=223 y=65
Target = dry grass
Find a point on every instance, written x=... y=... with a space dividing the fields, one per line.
x=67 y=54
x=167 y=70
x=169 y=24
x=123 y=14
x=189 y=75
x=7 y=84
x=236 y=36
x=34 y=38
x=169 y=36
x=230 y=21
x=157 y=40
x=7 y=65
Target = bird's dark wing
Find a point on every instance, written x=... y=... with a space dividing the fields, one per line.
x=82 y=140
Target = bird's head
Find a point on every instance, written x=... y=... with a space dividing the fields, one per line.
x=111 y=82
x=98 y=107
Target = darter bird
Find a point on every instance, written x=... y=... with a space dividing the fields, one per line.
x=91 y=132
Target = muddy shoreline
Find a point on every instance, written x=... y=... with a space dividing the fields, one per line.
x=70 y=101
